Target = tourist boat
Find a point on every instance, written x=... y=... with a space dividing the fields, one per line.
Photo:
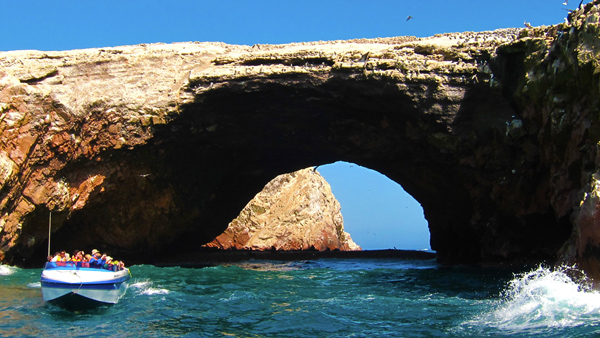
x=76 y=285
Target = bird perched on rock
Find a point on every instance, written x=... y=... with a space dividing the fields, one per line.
x=527 y=24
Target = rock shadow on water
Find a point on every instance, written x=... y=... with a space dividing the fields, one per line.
x=208 y=257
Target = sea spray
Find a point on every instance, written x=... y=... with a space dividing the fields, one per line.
x=6 y=270
x=146 y=288
x=543 y=301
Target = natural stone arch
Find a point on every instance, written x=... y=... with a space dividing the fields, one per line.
x=150 y=149
x=376 y=125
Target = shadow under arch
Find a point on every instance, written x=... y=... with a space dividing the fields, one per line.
x=444 y=144
x=241 y=135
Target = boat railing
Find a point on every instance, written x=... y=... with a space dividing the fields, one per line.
x=78 y=265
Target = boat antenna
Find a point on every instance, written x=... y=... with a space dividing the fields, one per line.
x=49 y=231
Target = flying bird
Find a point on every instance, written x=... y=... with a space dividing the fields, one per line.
x=409 y=17
x=566 y=2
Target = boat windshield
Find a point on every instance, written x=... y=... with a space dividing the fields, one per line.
x=78 y=265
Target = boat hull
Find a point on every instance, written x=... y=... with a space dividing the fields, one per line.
x=109 y=294
x=76 y=302
x=72 y=284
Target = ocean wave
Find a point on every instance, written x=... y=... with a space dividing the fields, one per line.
x=140 y=285
x=154 y=291
x=543 y=300
x=271 y=266
x=6 y=270
x=145 y=288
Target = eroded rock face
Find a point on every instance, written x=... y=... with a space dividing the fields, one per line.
x=141 y=150
x=155 y=148
x=295 y=211
x=558 y=96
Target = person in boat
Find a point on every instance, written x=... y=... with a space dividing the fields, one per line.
x=60 y=257
x=114 y=264
x=97 y=260
x=83 y=256
x=119 y=264
x=108 y=263
x=78 y=256
x=55 y=258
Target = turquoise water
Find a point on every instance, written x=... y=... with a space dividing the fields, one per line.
x=321 y=298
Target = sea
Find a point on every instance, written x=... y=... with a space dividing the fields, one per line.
x=317 y=298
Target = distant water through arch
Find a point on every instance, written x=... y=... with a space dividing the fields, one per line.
x=377 y=212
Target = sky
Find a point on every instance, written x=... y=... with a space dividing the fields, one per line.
x=377 y=212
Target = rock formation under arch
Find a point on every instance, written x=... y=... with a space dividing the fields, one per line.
x=295 y=211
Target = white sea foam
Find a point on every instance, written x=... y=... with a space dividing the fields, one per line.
x=145 y=288
x=543 y=299
x=35 y=285
x=6 y=270
x=154 y=291
x=140 y=285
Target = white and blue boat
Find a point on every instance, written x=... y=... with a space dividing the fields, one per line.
x=75 y=285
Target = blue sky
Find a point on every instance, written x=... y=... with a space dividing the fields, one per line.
x=377 y=212
x=61 y=25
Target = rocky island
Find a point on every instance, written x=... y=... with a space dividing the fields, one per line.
x=295 y=211
x=155 y=148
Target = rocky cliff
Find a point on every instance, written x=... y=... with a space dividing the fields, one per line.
x=155 y=148
x=295 y=211
x=558 y=95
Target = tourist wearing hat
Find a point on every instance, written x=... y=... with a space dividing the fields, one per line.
x=108 y=262
x=97 y=260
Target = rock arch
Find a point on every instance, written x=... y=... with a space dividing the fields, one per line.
x=153 y=148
